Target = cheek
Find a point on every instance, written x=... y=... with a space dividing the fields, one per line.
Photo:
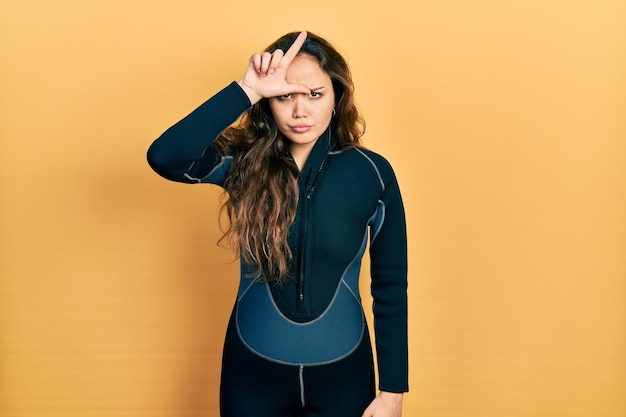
x=330 y=105
x=279 y=113
x=327 y=111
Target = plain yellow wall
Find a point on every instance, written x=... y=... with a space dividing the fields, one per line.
x=504 y=120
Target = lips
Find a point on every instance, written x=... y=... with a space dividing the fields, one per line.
x=301 y=128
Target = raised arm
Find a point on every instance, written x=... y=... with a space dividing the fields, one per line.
x=184 y=153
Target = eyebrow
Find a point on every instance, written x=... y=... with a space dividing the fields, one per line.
x=318 y=88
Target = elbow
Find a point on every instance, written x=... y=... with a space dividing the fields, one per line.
x=155 y=159
x=159 y=162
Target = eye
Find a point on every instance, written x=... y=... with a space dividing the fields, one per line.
x=315 y=94
x=284 y=97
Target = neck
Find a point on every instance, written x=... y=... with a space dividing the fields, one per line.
x=300 y=153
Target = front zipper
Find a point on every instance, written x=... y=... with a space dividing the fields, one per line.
x=303 y=245
x=303 y=255
x=310 y=188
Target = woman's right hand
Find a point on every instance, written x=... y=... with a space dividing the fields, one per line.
x=266 y=73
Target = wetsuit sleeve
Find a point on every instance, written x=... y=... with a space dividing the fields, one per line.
x=388 y=253
x=184 y=152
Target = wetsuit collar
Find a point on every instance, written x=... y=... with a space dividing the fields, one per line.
x=318 y=154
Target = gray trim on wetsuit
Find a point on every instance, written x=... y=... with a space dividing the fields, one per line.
x=328 y=338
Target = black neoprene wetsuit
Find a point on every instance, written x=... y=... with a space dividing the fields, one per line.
x=301 y=347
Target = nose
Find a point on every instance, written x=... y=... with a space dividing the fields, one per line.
x=299 y=106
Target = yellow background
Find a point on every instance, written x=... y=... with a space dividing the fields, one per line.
x=504 y=120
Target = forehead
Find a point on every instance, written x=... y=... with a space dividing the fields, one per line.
x=305 y=69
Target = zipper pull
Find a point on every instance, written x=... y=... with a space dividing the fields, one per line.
x=310 y=186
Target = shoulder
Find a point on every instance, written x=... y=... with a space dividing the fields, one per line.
x=378 y=161
x=376 y=158
x=359 y=153
x=364 y=160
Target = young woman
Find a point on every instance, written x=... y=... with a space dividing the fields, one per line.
x=303 y=200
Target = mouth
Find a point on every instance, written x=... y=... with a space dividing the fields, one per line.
x=300 y=128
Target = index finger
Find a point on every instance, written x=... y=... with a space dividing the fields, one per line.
x=295 y=47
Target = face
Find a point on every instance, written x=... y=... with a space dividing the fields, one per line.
x=302 y=118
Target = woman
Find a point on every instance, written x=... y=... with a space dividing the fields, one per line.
x=302 y=196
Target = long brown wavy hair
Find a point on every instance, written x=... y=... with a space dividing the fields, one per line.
x=262 y=184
